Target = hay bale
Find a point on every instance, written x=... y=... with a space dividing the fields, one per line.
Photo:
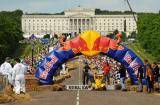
x=128 y=81
x=59 y=79
x=128 y=88
x=30 y=88
x=8 y=90
x=71 y=66
x=57 y=87
x=22 y=97
x=8 y=95
x=134 y=88
x=54 y=87
x=31 y=84
x=145 y=89
x=43 y=88
x=131 y=88
x=31 y=80
x=67 y=75
x=4 y=98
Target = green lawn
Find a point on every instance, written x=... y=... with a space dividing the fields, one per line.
x=23 y=50
x=136 y=47
x=26 y=50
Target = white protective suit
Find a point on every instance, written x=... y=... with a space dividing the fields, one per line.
x=19 y=78
x=6 y=69
x=63 y=71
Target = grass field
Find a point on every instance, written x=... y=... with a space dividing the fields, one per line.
x=26 y=50
x=141 y=52
x=23 y=50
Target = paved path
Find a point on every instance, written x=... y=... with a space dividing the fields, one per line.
x=89 y=97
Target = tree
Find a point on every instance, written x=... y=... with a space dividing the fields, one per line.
x=10 y=32
x=149 y=34
x=47 y=36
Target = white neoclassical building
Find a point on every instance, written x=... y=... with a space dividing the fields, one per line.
x=75 y=20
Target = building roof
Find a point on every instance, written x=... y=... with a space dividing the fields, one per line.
x=80 y=9
x=79 y=12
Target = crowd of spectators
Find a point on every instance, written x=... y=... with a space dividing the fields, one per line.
x=116 y=73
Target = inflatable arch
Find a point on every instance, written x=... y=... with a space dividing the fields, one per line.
x=89 y=43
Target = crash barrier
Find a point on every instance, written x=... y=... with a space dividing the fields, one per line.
x=3 y=81
x=89 y=43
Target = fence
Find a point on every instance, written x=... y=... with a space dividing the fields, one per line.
x=3 y=81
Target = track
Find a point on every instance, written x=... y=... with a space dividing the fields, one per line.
x=82 y=97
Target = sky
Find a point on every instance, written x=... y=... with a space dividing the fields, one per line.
x=56 y=6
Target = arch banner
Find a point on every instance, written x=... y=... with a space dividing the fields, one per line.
x=89 y=43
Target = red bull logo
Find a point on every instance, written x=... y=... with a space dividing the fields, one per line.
x=48 y=66
x=91 y=46
x=90 y=43
x=128 y=58
x=135 y=66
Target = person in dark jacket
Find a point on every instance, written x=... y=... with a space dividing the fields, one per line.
x=140 y=76
x=85 y=74
x=156 y=73
x=159 y=78
x=146 y=62
x=122 y=72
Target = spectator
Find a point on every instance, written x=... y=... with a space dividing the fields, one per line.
x=159 y=77
x=85 y=74
x=156 y=74
x=62 y=40
x=149 y=75
x=146 y=65
x=140 y=76
x=145 y=70
x=122 y=72
x=106 y=70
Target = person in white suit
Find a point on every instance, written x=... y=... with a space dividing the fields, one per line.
x=64 y=69
x=6 y=69
x=19 y=77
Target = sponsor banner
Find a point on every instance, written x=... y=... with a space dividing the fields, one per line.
x=128 y=58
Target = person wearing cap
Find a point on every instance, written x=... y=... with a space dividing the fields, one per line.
x=6 y=69
x=18 y=77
